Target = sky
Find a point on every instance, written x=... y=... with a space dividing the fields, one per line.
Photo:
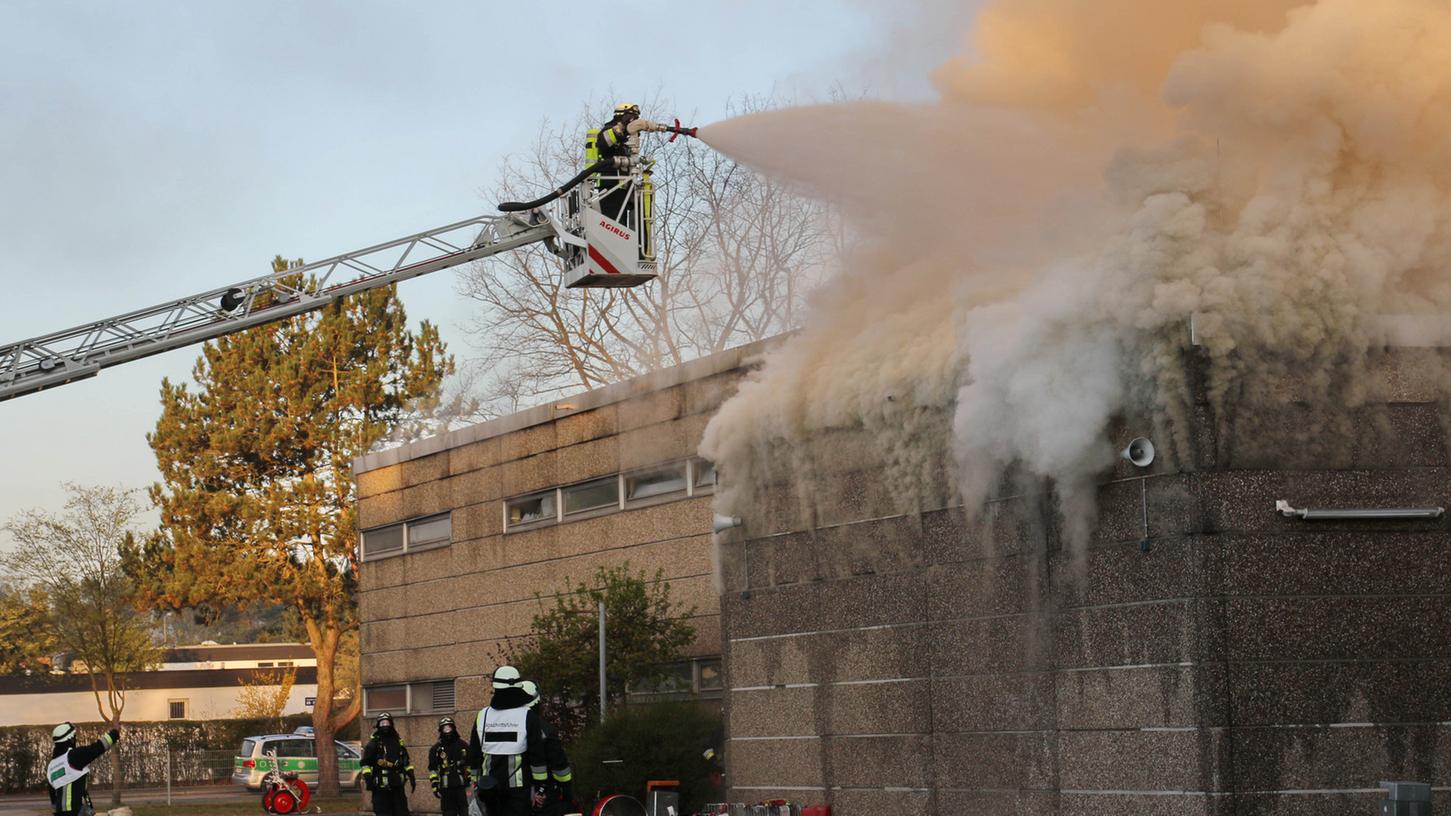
x=149 y=150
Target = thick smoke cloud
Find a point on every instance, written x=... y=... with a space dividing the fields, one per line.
x=1031 y=249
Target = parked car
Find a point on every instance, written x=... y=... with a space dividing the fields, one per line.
x=295 y=752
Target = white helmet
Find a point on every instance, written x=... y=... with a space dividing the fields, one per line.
x=65 y=732
x=531 y=690
x=506 y=677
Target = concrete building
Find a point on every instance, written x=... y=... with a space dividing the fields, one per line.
x=1201 y=653
x=174 y=694
x=461 y=532
x=212 y=655
x=1211 y=656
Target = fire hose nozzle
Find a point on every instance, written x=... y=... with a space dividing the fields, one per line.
x=677 y=130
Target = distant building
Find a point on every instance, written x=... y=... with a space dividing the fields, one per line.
x=193 y=683
x=209 y=655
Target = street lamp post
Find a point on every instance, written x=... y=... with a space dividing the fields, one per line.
x=602 y=660
x=600 y=614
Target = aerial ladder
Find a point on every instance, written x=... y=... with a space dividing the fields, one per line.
x=603 y=230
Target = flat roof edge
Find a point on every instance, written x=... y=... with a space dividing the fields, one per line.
x=689 y=371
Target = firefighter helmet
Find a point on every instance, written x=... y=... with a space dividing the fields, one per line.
x=506 y=677
x=531 y=690
x=626 y=109
x=65 y=732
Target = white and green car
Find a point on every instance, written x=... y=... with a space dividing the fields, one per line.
x=295 y=752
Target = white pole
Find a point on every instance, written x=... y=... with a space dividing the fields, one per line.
x=602 y=660
x=168 y=776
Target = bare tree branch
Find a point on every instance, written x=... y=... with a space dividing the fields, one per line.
x=737 y=256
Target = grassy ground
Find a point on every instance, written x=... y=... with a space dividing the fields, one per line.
x=248 y=807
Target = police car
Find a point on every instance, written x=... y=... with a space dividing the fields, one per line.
x=295 y=752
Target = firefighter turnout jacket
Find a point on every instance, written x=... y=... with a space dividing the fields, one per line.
x=506 y=740
x=448 y=763
x=66 y=799
x=386 y=765
x=620 y=139
x=557 y=761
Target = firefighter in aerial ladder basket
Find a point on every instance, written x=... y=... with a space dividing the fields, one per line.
x=619 y=139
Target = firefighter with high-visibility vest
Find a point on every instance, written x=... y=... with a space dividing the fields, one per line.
x=448 y=770
x=69 y=767
x=506 y=750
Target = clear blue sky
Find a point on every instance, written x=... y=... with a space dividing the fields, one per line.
x=153 y=149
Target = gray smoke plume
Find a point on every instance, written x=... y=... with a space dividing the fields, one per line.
x=1033 y=247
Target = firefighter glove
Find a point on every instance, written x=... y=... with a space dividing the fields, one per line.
x=115 y=734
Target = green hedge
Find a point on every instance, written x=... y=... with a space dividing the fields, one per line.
x=195 y=747
x=656 y=741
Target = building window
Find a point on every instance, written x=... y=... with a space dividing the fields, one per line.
x=673 y=480
x=536 y=508
x=702 y=475
x=709 y=676
x=427 y=697
x=661 y=481
x=264 y=664
x=593 y=495
x=433 y=531
x=702 y=676
x=378 y=699
x=417 y=534
x=176 y=709
x=431 y=697
x=383 y=541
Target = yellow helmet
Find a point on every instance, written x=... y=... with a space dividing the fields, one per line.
x=627 y=108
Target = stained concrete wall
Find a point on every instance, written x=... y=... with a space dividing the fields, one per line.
x=1212 y=657
x=445 y=613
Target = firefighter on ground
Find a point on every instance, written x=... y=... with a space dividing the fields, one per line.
x=69 y=766
x=506 y=750
x=386 y=767
x=448 y=770
x=559 y=793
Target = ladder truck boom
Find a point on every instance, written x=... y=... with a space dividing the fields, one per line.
x=603 y=231
x=77 y=353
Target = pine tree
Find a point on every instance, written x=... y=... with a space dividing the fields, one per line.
x=256 y=497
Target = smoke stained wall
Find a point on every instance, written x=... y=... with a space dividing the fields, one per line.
x=1032 y=248
x=1217 y=224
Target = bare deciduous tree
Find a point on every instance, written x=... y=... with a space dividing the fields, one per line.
x=75 y=558
x=737 y=254
x=264 y=696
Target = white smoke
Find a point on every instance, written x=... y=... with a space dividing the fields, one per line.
x=1034 y=246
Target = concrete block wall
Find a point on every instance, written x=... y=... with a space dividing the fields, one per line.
x=448 y=612
x=1203 y=655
